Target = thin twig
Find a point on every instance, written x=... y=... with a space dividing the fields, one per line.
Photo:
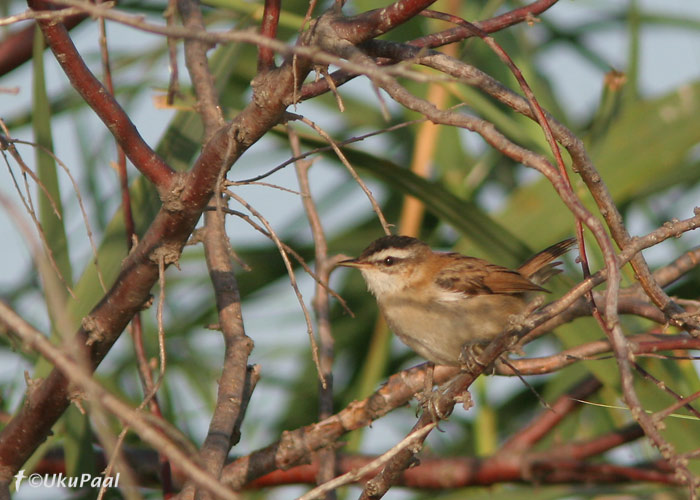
x=79 y=198
x=174 y=81
x=296 y=256
x=292 y=281
x=343 y=159
x=321 y=305
x=329 y=148
x=29 y=208
x=410 y=440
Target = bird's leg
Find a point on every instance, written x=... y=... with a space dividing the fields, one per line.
x=469 y=358
x=424 y=396
x=429 y=401
x=429 y=398
x=428 y=380
x=471 y=352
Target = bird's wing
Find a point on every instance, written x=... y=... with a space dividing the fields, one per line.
x=472 y=276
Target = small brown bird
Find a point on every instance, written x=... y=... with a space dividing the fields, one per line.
x=437 y=302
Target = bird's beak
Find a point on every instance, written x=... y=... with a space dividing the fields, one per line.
x=350 y=263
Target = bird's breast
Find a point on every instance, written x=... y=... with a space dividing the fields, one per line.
x=437 y=329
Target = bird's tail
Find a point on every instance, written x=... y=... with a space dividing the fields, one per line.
x=541 y=266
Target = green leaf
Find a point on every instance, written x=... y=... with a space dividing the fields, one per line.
x=50 y=207
x=648 y=143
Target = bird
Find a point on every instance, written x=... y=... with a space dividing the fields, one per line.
x=439 y=302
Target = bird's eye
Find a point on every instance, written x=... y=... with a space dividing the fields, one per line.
x=389 y=261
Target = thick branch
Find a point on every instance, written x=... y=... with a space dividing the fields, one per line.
x=103 y=103
x=237 y=381
x=376 y=22
x=270 y=20
x=166 y=236
x=448 y=473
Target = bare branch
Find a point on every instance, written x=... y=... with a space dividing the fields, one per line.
x=103 y=103
x=270 y=20
x=83 y=379
x=353 y=476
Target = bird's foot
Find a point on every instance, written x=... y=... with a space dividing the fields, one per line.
x=431 y=402
x=469 y=359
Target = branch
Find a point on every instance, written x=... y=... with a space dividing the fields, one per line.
x=530 y=434
x=295 y=446
x=103 y=103
x=371 y=24
x=167 y=234
x=354 y=475
x=498 y=23
x=237 y=381
x=640 y=345
x=82 y=377
x=198 y=67
x=321 y=304
x=434 y=40
x=270 y=20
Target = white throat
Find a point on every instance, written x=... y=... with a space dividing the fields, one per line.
x=381 y=284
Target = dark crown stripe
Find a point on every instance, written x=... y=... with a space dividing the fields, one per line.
x=390 y=242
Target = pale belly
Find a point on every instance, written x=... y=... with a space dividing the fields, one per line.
x=438 y=331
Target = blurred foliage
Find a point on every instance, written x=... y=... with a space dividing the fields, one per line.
x=477 y=201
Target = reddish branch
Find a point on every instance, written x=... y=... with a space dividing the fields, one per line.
x=447 y=473
x=429 y=474
x=436 y=40
x=376 y=22
x=498 y=23
x=529 y=435
x=103 y=103
x=268 y=27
